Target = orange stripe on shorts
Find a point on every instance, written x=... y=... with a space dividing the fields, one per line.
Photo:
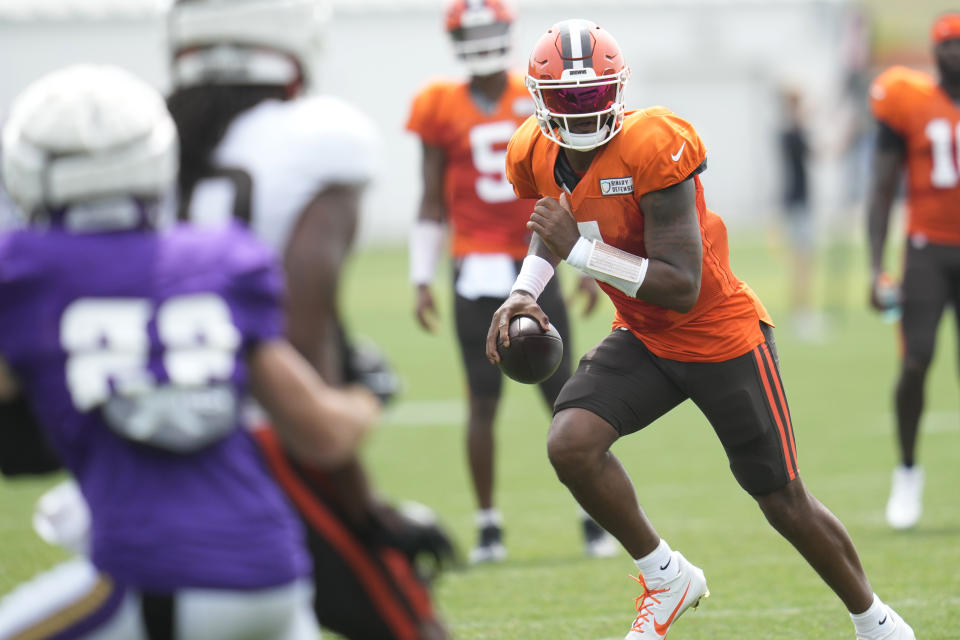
x=776 y=413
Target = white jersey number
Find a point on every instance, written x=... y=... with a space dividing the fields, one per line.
x=488 y=146
x=108 y=345
x=945 y=144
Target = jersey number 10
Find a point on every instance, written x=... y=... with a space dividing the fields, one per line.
x=945 y=142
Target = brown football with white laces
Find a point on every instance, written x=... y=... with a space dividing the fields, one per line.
x=533 y=355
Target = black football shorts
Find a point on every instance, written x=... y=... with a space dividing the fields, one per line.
x=931 y=280
x=621 y=381
x=473 y=320
x=363 y=591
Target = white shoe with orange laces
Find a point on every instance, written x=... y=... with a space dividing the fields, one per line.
x=659 y=608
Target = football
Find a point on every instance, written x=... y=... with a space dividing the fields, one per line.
x=533 y=354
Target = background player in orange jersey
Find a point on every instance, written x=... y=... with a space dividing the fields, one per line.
x=622 y=201
x=464 y=127
x=919 y=135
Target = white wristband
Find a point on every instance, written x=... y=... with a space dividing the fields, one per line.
x=580 y=253
x=534 y=275
x=609 y=264
x=426 y=241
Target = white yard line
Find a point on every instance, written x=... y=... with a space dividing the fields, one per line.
x=426 y=413
x=940 y=422
x=452 y=412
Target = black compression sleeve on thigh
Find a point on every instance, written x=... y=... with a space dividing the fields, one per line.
x=23 y=448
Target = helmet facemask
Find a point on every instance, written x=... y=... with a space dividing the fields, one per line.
x=483 y=49
x=580 y=96
x=246 y=42
x=236 y=64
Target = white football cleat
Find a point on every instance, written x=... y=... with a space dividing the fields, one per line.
x=658 y=609
x=906 y=497
x=899 y=629
x=489 y=547
x=597 y=543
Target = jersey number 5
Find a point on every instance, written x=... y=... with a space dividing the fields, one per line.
x=108 y=344
x=945 y=142
x=488 y=145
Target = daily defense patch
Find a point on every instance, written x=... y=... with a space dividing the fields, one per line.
x=616 y=186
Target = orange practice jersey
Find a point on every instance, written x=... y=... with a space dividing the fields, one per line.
x=485 y=215
x=655 y=150
x=913 y=104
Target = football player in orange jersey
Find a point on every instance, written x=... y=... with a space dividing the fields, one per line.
x=621 y=200
x=919 y=135
x=464 y=128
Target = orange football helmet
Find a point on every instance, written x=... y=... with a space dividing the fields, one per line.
x=480 y=30
x=945 y=27
x=576 y=72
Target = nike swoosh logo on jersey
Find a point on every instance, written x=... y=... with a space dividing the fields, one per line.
x=664 y=567
x=884 y=620
x=662 y=628
x=676 y=156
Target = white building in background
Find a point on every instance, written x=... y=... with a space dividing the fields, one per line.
x=718 y=63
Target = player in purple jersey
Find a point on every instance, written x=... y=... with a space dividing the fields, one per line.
x=132 y=348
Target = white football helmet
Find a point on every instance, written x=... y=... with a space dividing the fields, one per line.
x=262 y=42
x=87 y=134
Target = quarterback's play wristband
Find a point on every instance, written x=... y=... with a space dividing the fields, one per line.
x=609 y=264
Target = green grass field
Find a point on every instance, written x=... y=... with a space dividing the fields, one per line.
x=839 y=395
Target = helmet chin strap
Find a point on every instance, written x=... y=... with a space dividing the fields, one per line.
x=585 y=141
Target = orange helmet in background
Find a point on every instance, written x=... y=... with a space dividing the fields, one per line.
x=480 y=31
x=577 y=71
x=945 y=34
x=945 y=27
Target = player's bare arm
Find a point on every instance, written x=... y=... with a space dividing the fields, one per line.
x=674 y=247
x=321 y=425
x=888 y=164
x=520 y=302
x=670 y=274
x=430 y=219
x=313 y=263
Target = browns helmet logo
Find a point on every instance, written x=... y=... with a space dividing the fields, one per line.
x=573 y=46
